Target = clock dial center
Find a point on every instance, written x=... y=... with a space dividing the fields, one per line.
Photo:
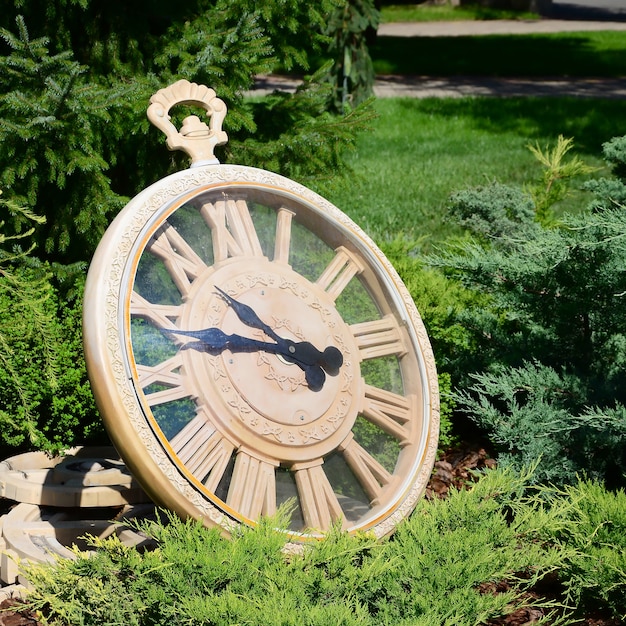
x=260 y=395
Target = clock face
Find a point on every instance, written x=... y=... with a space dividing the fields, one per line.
x=250 y=347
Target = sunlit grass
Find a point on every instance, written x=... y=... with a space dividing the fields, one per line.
x=431 y=13
x=420 y=151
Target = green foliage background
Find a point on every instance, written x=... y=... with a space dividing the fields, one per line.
x=46 y=397
x=46 y=401
x=543 y=371
x=75 y=80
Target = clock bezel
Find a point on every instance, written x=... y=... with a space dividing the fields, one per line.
x=107 y=343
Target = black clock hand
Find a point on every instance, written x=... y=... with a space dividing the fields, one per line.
x=303 y=352
x=306 y=353
x=215 y=341
x=248 y=315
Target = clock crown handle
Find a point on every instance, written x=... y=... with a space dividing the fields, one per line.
x=195 y=138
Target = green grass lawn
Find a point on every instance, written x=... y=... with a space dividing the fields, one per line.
x=598 y=53
x=420 y=151
x=430 y=13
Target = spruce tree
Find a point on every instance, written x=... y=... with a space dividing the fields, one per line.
x=352 y=73
x=76 y=79
x=548 y=353
x=52 y=120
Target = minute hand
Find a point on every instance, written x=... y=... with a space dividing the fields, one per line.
x=215 y=341
x=303 y=352
x=248 y=315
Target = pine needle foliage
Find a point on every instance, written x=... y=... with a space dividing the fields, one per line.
x=25 y=311
x=314 y=126
x=50 y=155
x=611 y=192
x=534 y=413
x=45 y=400
x=494 y=213
x=439 y=302
x=452 y=548
x=352 y=73
x=594 y=535
x=557 y=172
x=73 y=132
x=548 y=337
x=436 y=570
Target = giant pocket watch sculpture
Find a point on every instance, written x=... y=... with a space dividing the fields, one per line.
x=249 y=346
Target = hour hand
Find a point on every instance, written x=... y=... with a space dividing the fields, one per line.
x=212 y=340
x=303 y=352
x=306 y=353
x=248 y=316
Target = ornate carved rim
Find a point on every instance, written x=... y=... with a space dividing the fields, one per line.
x=106 y=348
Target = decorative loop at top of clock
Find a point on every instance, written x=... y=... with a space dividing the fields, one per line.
x=195 y=137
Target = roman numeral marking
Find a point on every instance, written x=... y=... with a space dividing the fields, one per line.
x=318 y=501
x=340 y=271
x=166 y=374
x=161 y=315
x=252 y=490
x=232 y=229
x=203 y=451
x=283 y=236
x=372 y=476
x=379 y=338
x=389 y=411
x=182 y=262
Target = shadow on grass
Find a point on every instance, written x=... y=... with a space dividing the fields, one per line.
x=589 y=122
x=577 y=12
x=590 y=54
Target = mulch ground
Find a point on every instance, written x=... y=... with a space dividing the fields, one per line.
x=455 y=469
x=458 y=467
x=13 y=613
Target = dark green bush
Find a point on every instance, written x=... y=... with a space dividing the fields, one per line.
x=615 y=153
x=53 y=120
x=352 y=73
x=547 y=343
x=45 y=398
x=532 y=413
x=498 y=211
x=611 y=192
